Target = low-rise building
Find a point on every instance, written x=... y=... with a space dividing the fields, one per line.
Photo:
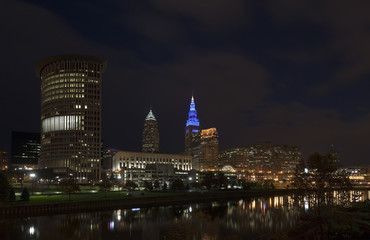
x=143 y=166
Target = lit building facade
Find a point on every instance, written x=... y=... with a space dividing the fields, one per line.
x=150 y=134
x=144 y=166
x=263 y=161
x=71 y=115
x=206 y=153
x=3 y=160
x=25 y=150
x=192 y=130
x=135 y=160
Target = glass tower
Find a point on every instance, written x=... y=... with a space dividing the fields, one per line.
x=71 y=115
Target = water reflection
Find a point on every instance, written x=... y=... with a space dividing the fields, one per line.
x=246 y=218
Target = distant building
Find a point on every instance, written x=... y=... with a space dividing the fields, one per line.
x=206 y=153
x=150 y=134
x=107 y=161
x=359 y=176
x=262 y=161
x=71 y=100
x=133 y=165
x=25 y=150
x=192 y=130
x=4 y=160
x=237 y=158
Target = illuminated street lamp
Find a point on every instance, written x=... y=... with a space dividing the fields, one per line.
x=32 y=176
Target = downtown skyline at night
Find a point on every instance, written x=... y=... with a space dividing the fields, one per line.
x=293 y=73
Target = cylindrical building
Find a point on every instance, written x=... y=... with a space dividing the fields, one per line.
x=71 y=115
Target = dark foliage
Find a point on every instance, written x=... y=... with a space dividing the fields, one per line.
x=4 y=187
x=25 y=196
x=177 y=184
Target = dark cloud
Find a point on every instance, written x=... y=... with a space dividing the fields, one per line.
x=213 y=15
x=292 y=72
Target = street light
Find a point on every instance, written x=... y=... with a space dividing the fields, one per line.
x=32 y=176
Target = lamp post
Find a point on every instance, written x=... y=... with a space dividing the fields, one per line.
x=32 y=176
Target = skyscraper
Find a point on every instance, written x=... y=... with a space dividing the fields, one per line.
x=206 y=153
x=192 y=130
x=25 y=151
x=150 y=134
x=71 y=114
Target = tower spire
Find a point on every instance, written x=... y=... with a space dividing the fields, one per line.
x=192 y=117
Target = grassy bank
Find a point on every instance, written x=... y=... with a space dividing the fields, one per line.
x=43 y=204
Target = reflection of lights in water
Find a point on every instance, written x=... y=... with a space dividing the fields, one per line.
x=119 y=214
x=111 y=225
x=264 y=208
x=306 y=204
x=190 y=209
x=32 y=230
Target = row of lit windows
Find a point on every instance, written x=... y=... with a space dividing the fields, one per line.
x=166 y=160
x=62 y=91
x=63 y=96
x=63 y=86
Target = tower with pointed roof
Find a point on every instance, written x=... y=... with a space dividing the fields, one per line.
x=192 y=130
x=150 y=134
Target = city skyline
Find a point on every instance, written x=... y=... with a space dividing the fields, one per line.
x=290 y=72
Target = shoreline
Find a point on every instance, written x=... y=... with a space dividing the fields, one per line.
x=132 y=202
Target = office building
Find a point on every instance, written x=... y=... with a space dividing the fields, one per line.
x=150 y=134
x=25 y=150
x=206 y=153
x=140 y=166
x=262 y=161
x=71 y=115
x=192 y=130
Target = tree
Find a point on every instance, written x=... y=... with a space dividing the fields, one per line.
x=130 y=185
x=25 y=196
x=69 y=186
x=4 y=187
x=156 y=184
x=208 y=180
x=148 y=185
x=321 y=179
x=105 y=186
x=164 y=188
x=222 y=180
x=11 y=194
x=177 y=184
x=317 y=187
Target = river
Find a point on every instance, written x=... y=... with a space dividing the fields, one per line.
x=254 y=218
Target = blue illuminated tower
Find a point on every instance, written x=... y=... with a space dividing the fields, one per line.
x=192 y=130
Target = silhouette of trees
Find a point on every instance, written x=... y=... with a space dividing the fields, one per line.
x=177 y=184
x=130 y=185
x=321 y=180
x=148 y=185
x=208 y=180
x=69 y=186
x=25 y=196
x=156 y=184
x=4 y=187
x=105 y=186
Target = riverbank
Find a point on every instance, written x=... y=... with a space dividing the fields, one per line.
x=90 y=202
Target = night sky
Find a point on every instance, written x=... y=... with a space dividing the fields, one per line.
x=289 y=72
